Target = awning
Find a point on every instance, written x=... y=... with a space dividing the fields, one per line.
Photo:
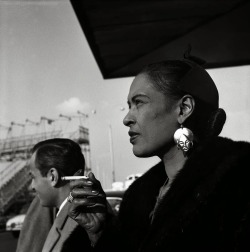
x=126 y=35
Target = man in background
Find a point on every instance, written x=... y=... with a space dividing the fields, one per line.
x=50 y=161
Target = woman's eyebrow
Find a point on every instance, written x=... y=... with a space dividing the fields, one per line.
x=136 y=96
x=139 y=95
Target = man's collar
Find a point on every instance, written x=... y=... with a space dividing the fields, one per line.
x=61 y=206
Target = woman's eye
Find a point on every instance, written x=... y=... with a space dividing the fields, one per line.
x=138 y=102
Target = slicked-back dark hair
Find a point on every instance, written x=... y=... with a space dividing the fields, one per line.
x=61 y=153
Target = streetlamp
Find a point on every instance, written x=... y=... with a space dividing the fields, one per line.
x=111 y=148
x=111 y=151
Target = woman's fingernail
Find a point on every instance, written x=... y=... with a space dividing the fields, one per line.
x=89 y=182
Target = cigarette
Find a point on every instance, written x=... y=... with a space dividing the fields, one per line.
x=74 y=177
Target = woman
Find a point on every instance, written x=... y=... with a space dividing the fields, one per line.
x=198 y=197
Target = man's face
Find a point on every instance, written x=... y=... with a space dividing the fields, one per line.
x=41 y=184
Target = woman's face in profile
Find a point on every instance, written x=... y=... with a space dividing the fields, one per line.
x=151 y=119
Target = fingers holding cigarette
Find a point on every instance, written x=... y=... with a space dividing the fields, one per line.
x=85 y=187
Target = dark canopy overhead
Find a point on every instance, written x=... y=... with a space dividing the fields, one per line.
x=125 y=35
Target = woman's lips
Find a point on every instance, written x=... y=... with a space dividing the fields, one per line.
x=133 y=136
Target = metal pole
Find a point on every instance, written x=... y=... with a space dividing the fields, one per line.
x=111 y=152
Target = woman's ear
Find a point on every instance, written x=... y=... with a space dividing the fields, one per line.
x=53 y=176
x=186 y=108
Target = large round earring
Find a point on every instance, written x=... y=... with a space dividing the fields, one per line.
x=184 y=137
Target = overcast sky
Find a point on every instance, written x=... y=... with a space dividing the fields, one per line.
x=47 y=68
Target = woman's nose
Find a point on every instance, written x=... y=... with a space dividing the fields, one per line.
x=128 y=120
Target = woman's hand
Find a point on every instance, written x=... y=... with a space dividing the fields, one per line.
x=89 y=205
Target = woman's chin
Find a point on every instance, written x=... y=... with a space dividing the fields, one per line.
x=141 y=153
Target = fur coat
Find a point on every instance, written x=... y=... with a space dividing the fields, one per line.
x=207 y=207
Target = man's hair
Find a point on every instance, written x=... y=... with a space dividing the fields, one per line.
x=63 y=154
